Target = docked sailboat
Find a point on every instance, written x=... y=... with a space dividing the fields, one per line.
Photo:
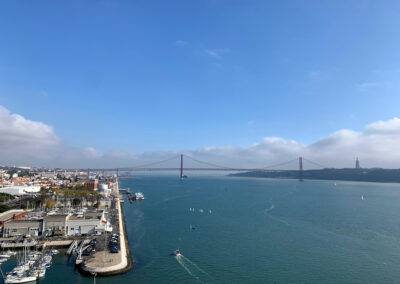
x=30 y=267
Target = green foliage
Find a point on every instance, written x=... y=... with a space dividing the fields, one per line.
x=4 y=208
x=6 y=196
x=11 y=172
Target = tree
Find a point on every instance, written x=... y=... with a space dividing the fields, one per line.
x=50 y=203
x=4 y=208
x=76 y=201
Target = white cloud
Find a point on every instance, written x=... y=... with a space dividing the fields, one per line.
x=16 y=131
x=27 y=142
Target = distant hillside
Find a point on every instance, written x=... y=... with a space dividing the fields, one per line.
x=370 y=175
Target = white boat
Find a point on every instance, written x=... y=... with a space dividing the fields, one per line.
x=177 y=252
x=19 y=279
x=139 y=196
x=31 y=267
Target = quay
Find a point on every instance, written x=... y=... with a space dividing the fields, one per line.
x=105 y=263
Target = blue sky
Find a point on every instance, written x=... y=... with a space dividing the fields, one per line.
x=168 y=75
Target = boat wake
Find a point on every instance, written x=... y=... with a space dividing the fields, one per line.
x=196 y=267
x=269 y=215
x=180 y=260
x=194 y=270
x=270 y=208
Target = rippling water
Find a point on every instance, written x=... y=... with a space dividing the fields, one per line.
x=257 y=231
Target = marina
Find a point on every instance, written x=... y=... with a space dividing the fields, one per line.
x=89 y=249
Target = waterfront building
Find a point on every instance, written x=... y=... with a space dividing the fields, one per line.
x=15 y=214
x=89 y=223
x=23 y=228
x=55 y=225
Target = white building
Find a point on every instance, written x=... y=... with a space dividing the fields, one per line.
x=104 y=189
x=88 y=223
x=20 y=190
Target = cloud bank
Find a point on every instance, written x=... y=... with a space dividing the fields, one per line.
x=32 y=143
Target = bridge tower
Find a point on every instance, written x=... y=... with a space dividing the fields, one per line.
x=181 y=166
x=300 y=168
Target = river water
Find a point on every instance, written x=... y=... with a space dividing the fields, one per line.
x=256 y=231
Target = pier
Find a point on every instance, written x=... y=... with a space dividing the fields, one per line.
x=71 y=247
x=105 y=263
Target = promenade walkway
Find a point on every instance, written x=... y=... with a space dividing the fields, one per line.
x=106 y=263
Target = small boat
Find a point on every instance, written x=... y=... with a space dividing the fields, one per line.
x=177 y=252
x=138 y=196
x=54 y=252
x=192 y=227
x=362 y=197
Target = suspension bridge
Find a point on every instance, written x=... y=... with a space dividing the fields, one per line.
x=206 y=166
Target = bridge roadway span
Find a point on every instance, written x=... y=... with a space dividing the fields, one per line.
x=173 y=169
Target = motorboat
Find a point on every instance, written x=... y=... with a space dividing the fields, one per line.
x=139 y=196
x=177 y=252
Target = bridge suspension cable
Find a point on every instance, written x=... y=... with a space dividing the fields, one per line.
x=314 y=163
x=155 y=163
x=207 y=163
x=280 y=164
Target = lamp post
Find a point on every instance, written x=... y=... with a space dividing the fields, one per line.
x=94 y=277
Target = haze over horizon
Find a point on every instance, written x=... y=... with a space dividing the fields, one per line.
x=238 y=83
